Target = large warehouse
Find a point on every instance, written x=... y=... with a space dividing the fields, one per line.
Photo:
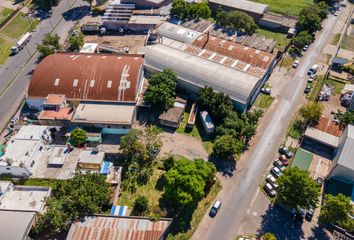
x=200 y=60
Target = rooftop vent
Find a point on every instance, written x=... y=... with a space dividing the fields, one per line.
x=56 y=82
x=109 y=84
x=75 y=82
x=92 y=83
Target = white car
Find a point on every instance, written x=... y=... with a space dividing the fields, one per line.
x=276 y=172
x=305 y=48
x=272 y=180
x=335 y=14
x=296 y=63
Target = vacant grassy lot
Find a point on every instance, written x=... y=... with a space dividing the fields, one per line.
x=336 y=38
x=5 y=46
x=338 y=86
x=291 y=7
x=4 y=13
x=263 y=101
x=281 y=39
x=348 y=43
x=287 y=61
x=18 y=26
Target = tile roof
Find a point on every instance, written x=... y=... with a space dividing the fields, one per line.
x=54 y=99
x=329 y=126
x=91 y=77
x=118 y=228
x=65 y=113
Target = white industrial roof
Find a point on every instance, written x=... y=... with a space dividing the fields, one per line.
x=16 y=225
x=89 y=48
x=243 y=5
x=104 y=113
x=178 y=33
x=202 y=72
x=88 y=156
x=322 y=137
x=346 y=155
x=31 y=132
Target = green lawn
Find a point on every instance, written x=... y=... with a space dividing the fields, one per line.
x=348 y=43
x=282 y=40
x=336 y=38
x=263 y=101
x=5 y=12
x=5 y=46
x=287 y=61
x=19 y=26
x=338 y=86
x=316 y=88
x=296 y=129
x=292 y=7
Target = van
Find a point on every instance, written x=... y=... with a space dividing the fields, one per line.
x=313 y=69
x=214 y=210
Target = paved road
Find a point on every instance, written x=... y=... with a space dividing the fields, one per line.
x=14 y=74
x=245 y=182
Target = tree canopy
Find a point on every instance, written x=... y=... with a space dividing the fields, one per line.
x=184 y=10
x=141 y=205
x=336 y=209
x=302 y=39
x=268 y=236
x=312 y=112
x=227 y=147
x=236 y=20
x=76 y=42
x=346 y=118
x=296 y=189
x=185 y=181
x=78 y=137
x=49 y=45
x=161 y=91
x=73 y=199
x=311 y=16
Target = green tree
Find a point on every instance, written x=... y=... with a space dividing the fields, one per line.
x=346 y=118
x=161 y=91
x=141 y=205
x=236 y=20
x=323 y=9
x=312 y=112
x=227 y=147
x=200 y=10
x=76 y=42
x=337 y=209
x=310 y=18
x=268 y=236
x=302 y=39
x=296 y=189
x=78 y=137
x=186 y=180
x=180 y=8
x=168 y=162
x=49 y=45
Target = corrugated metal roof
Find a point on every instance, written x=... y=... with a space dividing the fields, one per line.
x=178 y=33
x=82 y=76
x=346 y=148
x=118 y=228
x=248 y=6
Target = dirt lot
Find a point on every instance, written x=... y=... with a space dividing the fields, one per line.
x=133 y=42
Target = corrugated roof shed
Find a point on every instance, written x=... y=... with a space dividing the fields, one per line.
x=248 y=6
x=118 y=228
x=80 y=76
x=178 y=33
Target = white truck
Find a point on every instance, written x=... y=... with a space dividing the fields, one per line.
x=21 y=43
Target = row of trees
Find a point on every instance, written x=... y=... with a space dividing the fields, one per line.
x=233 y=130
x=235 y=20
x=72 y=200
x=184 y=10
x=311 y=16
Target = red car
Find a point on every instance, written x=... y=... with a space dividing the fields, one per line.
x=284 y=160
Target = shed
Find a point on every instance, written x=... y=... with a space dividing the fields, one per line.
x=173 y=116
x=207 y=122
x=91 y=159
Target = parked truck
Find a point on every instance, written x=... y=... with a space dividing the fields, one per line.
x=21 y=43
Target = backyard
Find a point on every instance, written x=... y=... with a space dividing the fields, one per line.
x=288 y=7
x=282 y=40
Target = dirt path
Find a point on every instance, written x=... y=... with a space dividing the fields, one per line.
x=179 y=144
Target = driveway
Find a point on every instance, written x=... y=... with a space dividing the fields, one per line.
x=239 y=194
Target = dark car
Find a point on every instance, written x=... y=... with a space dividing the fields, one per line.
x=320 y=181
x=307 y=89
x=309 y=214
x=285 y=151
x=214 y=210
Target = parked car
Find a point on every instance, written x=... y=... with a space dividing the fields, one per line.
x=215 y=208
x=284 y=160
x=266 y=91
x=305 y=48
x=14 y=119
x=296 y=63
x=309 y=214
x=271 y=179
x=320 y=181
x=313 y=69
x=285 y=151
x=276 y=171
x=270 y=190
x=307 y=89
x=335 y=14
x=310 y=80
x=279 y=165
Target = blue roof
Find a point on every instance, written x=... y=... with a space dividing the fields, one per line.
x=339 y=60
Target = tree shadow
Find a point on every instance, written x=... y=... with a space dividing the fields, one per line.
x=319 y=232
x=77 y=13
x=279 y=222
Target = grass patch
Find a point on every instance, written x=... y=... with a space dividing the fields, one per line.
x=148 y=190
x=338 y=86
x=4 y=13
x=263 y=101
x=328 y=58
x=348 y=43
x=296 y=129
x=19 y=25
x=336 y=38
x=282 y=40
x=287 y=61
x=5 y=46
x=39 y=182
x=286 y=6
x=316 y=89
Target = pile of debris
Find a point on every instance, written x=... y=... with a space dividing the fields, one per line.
x=326 y=92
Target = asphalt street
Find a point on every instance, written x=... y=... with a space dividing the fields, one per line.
x=245 y=182
x=15 y=73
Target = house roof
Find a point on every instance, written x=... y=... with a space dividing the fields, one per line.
x=54 y=99
x=243 y=5
x=346 y=155
x=81 y=76
x=64 y=113
x=118 y=228
x=89 y=156
x=16 y=225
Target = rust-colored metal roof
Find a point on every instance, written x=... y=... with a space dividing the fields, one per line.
x=328 y=126
x=248 y=55
x=118 y=228
x=93 y=77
